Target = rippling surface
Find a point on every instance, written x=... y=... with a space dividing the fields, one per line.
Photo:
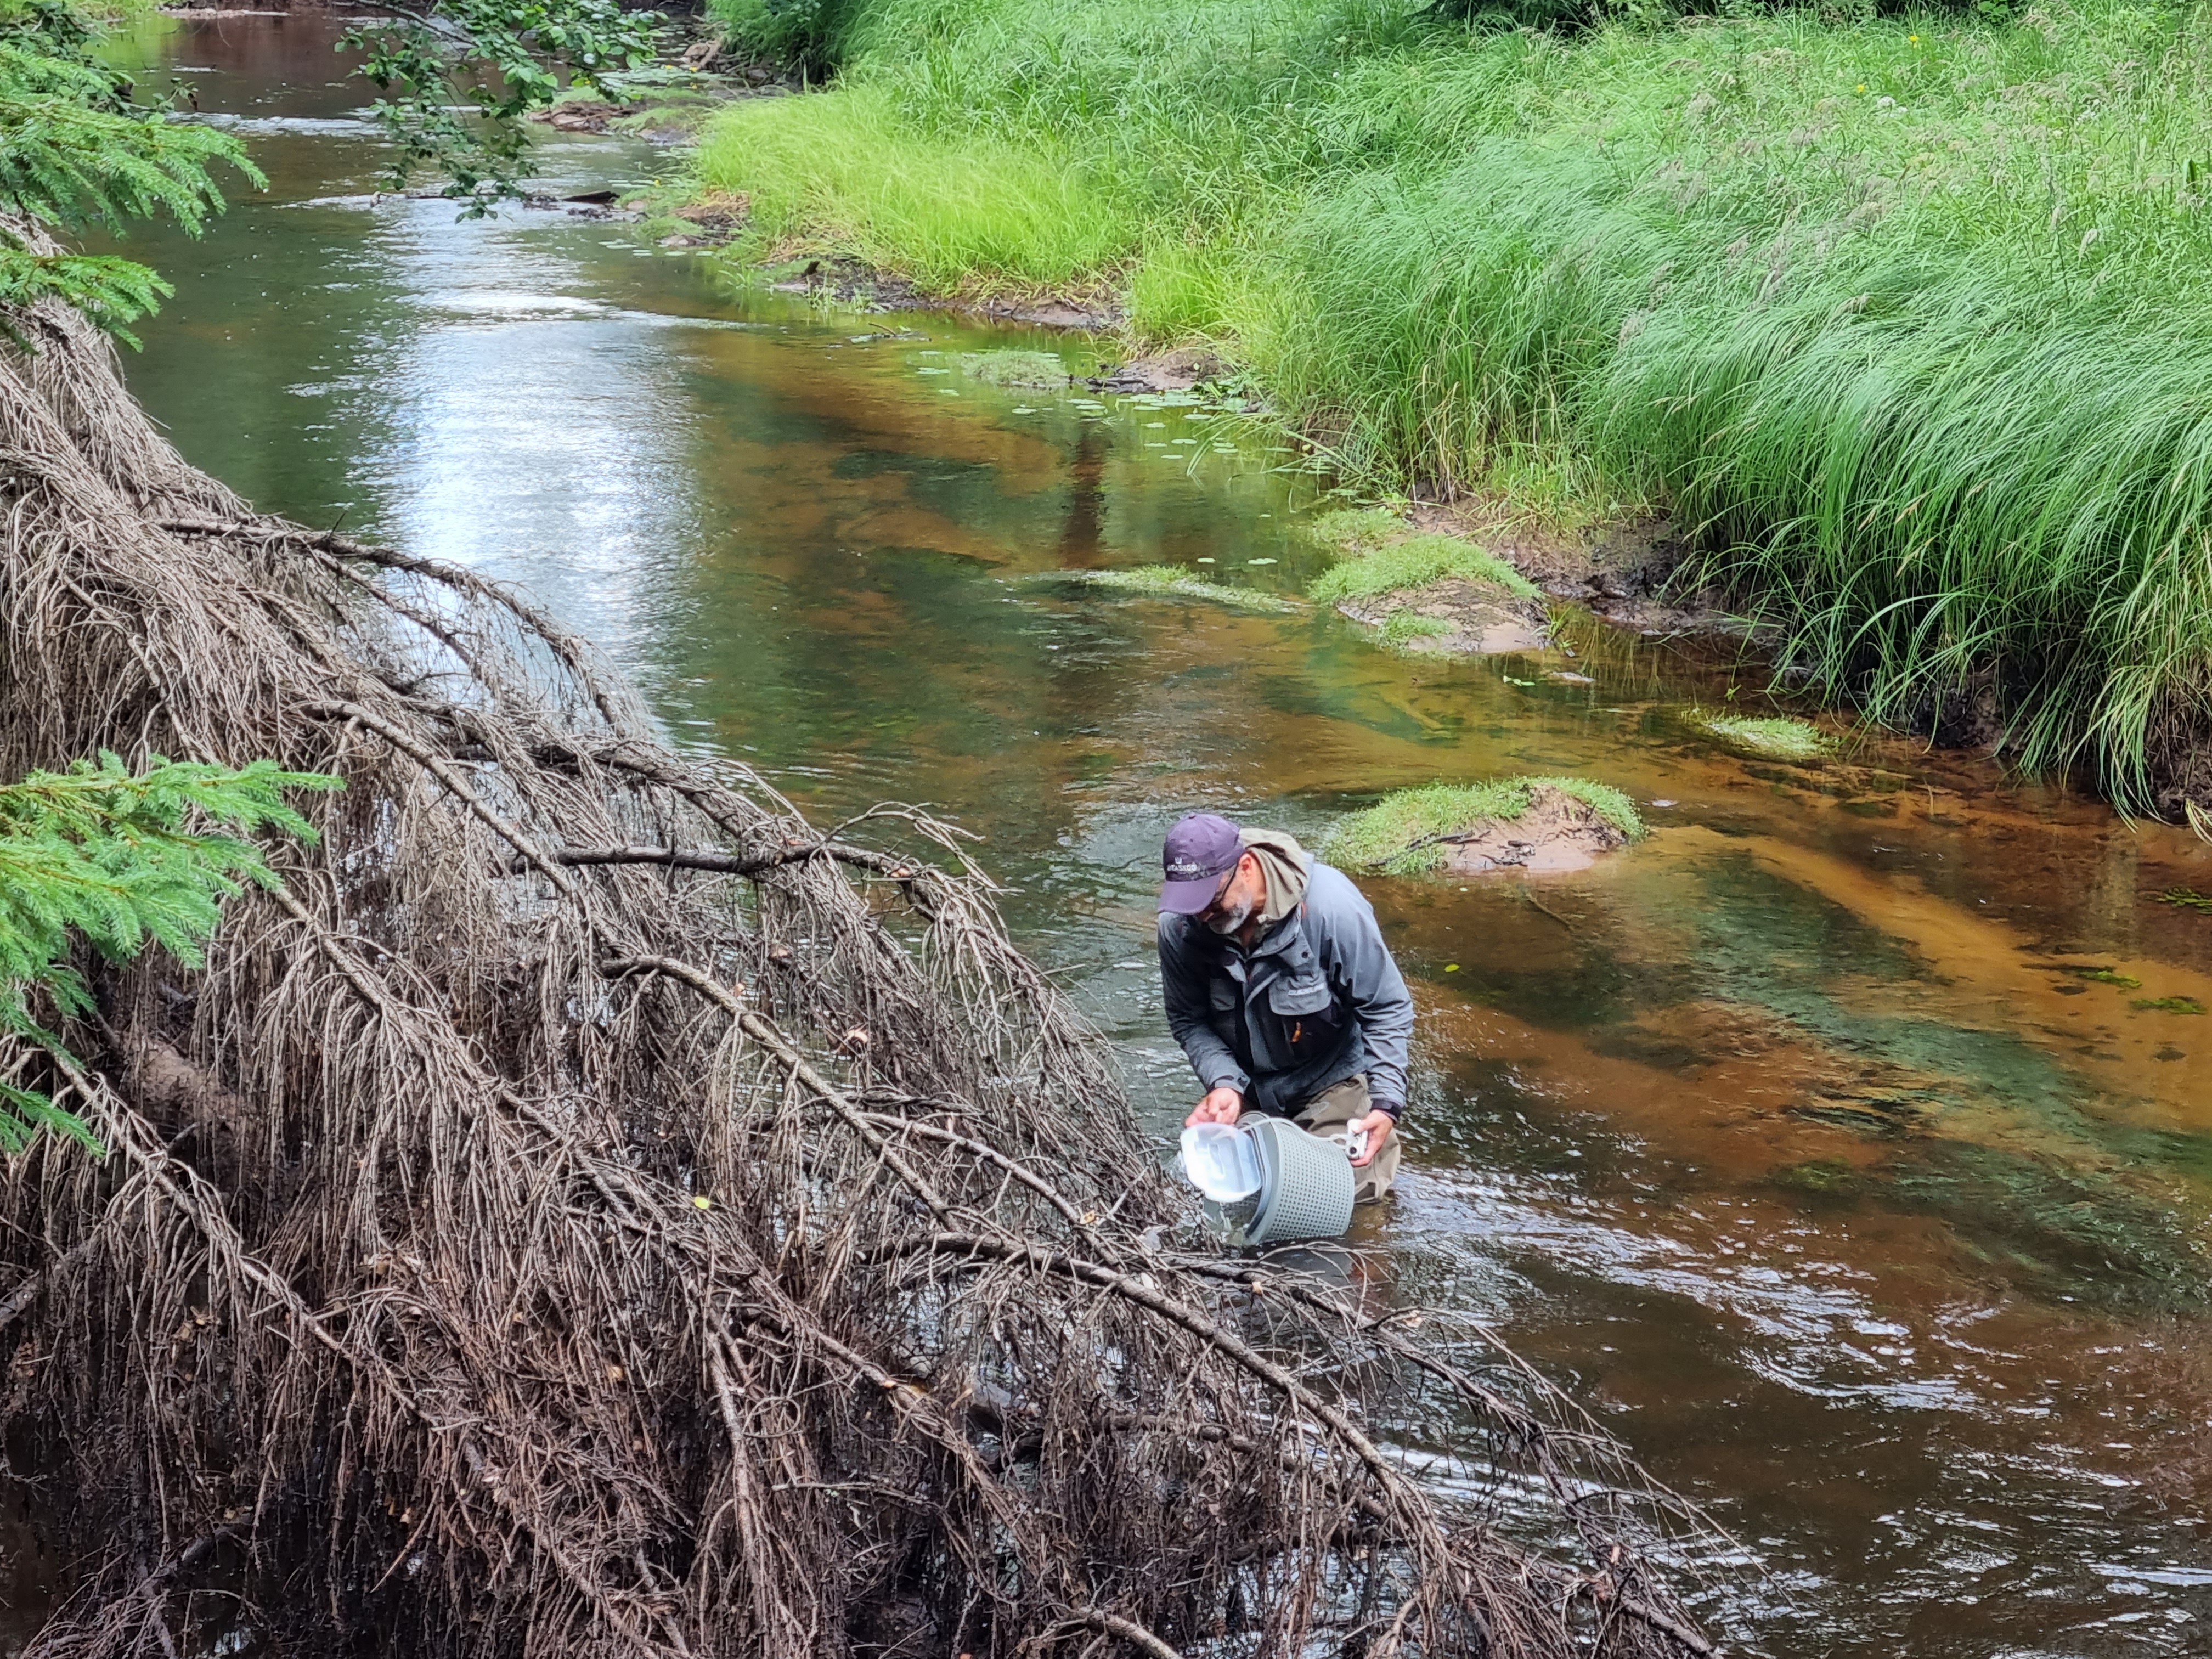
x=1786 y=1138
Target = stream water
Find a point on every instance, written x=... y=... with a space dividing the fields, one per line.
x=1787 y=1138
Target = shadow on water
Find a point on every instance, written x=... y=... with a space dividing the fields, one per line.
x=1796 y=1136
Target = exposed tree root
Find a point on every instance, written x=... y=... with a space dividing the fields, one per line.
x=590 y=1211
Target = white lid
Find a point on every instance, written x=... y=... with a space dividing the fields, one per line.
x=1220 y=1160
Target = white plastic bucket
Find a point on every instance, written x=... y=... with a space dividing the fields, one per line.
x=1266 y=1180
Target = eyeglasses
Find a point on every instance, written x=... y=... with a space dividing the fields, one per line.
x=1219 y=893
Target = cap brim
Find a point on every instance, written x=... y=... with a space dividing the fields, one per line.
x=1188 y=898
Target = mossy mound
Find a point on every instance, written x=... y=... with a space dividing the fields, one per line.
x=1172 y=581
x=1031 y=369
x=1516 y=823
x=1417 y=560
x=1770 y=737
x=1425 y=592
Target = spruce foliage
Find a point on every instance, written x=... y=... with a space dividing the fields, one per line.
x=121 y=861
x=75 y=152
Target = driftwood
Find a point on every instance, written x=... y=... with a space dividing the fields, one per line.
x=590 y=1211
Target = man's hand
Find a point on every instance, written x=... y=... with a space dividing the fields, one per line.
x=1378 y=1127
x=1220 y=1106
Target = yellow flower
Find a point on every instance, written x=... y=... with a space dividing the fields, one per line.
x=1914 y=38
x=702 y=1203
x=1862 y=85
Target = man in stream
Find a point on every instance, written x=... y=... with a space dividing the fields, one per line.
x=1280 y=989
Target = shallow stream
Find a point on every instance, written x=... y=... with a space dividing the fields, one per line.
x=1793 y=1139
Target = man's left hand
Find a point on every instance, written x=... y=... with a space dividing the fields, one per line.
x=1378 y=1127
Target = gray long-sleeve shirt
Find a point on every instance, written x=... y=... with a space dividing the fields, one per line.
x=1316 y=1000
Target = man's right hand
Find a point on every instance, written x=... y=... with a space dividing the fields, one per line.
x=1220 y=1105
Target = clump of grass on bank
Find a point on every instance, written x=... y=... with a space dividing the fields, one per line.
x=1416 y=561
x=1029 y=368
x=1403 y=629
x=1771 y=737
x=1396 y=835
x=1172 y=581
x=1912 y=314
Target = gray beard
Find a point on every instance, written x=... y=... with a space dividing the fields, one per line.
x=1228 y=921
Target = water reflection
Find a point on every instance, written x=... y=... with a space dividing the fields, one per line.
x=1794 y=1136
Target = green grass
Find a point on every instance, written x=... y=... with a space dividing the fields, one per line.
x=1355 y=530
x=1030 y=368
x=1172 y=581
x=2167 y=1005
x=1774 y=736
x=1908 y=318
x=1415 y=561
x=1402 y=627
x=1384 y=836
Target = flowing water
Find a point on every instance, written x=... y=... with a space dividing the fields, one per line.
x=1793 y=1139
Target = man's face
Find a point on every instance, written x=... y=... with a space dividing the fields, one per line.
x=1241 y=889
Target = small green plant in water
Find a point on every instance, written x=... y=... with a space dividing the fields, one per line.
x=1172 y=581
x=2167 y=1005
x=1399 y=835
x=1416 y=561
x=1031 y=369
x=2107 y=976
x=112 y=857
x=1776 y=737
x=1402 y=627
x=2186 y=898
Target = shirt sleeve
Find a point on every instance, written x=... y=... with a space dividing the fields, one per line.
x=1378 y=998
x=1184 y=989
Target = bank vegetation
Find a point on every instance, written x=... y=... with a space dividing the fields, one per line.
x=1906 y=317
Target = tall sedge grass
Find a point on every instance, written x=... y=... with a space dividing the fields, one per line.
x=953 y=212
x=1910 y=318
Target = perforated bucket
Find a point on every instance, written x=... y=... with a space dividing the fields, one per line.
x=1306 y=1187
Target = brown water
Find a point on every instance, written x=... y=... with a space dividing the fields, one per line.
x=1785 y=1137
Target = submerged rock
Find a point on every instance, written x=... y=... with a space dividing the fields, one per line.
x=1502 y=823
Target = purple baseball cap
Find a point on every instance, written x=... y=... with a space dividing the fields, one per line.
x=1201 y=849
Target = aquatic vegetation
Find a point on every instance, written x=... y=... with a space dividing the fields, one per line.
x=2105 y=976
x=1416 y=561
x=1172 y=581
x=2186 y=898
x=1399 y=834
x=1775 y=737
x=1026 y=368
x=2167 y=1005
x=1402 y=627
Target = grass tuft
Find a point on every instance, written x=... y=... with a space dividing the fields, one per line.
x=1771 y=737
x=1172 y=581
x=1402 y=627
x=1416 y=561
x=1386 y=837
x=1356 y=530
x=1029 y=368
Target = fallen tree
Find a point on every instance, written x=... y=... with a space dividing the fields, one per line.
x=588 y=1209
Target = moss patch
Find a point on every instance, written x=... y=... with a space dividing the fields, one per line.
x=1402 y=833
x=1776 y=737
x=1035 y=368
x=1172 y=581
x=1414 y=562
x=2167 y=1005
